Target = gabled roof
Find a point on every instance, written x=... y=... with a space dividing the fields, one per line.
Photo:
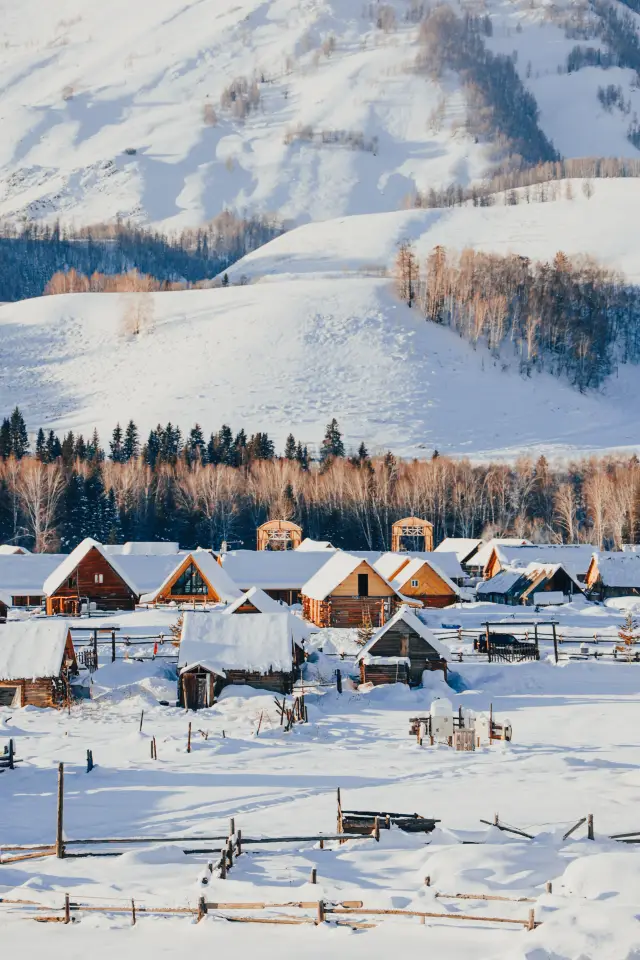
x=334 y=571
x=221 y=643
x=410 y=618
x=273 y=569
x=521 y=581
x=620 y=570
x=482 y=557
x=309 y=544
x=389 y=563
x=574 y=557
x=32 y=649
x=447 y=562
x=64 y=570
x=259 y=599
x=217 y=578
x=462 y=547
x=502 y=583
x=25 y=575
x=10 y=549
x=414 y=567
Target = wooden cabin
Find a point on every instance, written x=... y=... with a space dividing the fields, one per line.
x=278 y=535
x=477 y=564
x=89 y=577
x=195 y=578
x=464 y=548
x=37 y=660
x=531 y=586
x=218 y=650
x=574 y=557
x=280 y=573
x=412 y=533
x=22 y=577
x=425 y=583
x=348 y=592
x=613 y=574
x=400 y=652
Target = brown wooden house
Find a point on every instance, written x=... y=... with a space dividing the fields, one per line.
x=425 y=583
x=401 y=651
x=218 y=650
x=348 y=592
x=89 y=577
x=197 y=577
x=37 y=660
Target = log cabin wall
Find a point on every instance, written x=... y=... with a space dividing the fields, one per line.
x=400 y=640
x=430 y=589
x=110 y=594
x=379 y=673
x=349 y=586
x=492 y=566
x=33 y=693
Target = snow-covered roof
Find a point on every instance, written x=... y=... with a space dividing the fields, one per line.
x=217 y=578
x=462 y=547
x=31 y=649
x=548 y=598
x=619 y=569
x=482 y=557
x=24 y=575
x=334 y=571
x=249 y=643
x=147 y=572
x=65 y=569
x=143 y=548
x=274 y=569
x=412 y=570
x=574 y=557
x=447 y=562
x=410 y=618
x=259 y=599
x=501 y=583
x=10 y=549
x=389 y=563
x=309 y=544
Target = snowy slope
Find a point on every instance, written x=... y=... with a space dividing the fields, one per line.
x=289 y=355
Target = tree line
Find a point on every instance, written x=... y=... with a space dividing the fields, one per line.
x=570 y=316
x=51 y=502
x=31 y=254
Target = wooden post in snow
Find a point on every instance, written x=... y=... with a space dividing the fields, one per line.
x=590 y=833
x=133 y=913
x=314 y=875
x=67 y=909
x=189 y=739
x=60 y=813
x=113 y=646
x=555 y=642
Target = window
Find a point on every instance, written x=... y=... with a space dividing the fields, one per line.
x=189 y=583
x=363 y=584
x=415 y=583
x=71 y=582
x=98 y=578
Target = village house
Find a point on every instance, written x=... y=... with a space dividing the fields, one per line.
x=574 y=557
x=217 y=650
x=255 y=600
x=22 y=576
x=535 y=585
x=348 y=592
x=477 y=563
x=280 y=573
x=37 y=660
x=12 y=550
x=391 y=565
x=194 y=578
x=613 y=575
x=464 y=548
x=89 y=577
x=424 y=582
x=400 y=651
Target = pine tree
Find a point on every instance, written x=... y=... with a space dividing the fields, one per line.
x=225 y=280
x=213 y=450
x=54 y=447
x=290 y=447
x=151 y=451
x=95 y=453
x=332 y=445
x=195 y=446
x=112 y=524
x=41 y=447
x=19 y=436
x=116 y=446
x=72 y=511
x=131 y=446
x=5 y=440
x=240 y=456
x=67 y=449
x=80 y=451
x=302 y=456
x=225 y=445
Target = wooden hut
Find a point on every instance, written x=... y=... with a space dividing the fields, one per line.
x=613 y=574
x=280 y=573
x=533 y=585
x=400 y=651
x=218 y=650
x=36 y=661
x=88 y=576
x=574 y=557
x=424 y=582
x=348 y=591
x=22 y=576
x=195 y=578
x=279 y=535
x=412 y=533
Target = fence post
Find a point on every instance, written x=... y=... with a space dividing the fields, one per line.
x=113 y=646
x=590 y=834
x=67 y=909
x=238 y=843
x=60 y=813
x=320 y=915
x=532 y=920
x=339 y=681
x=11 y=754
x=202 y=908
x=189 y=739
x=555 y=642
x=133 y=913
x=89 y=761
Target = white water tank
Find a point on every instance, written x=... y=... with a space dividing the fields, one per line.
x=441 y=712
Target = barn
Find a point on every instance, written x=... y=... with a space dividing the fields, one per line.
x=217 y=650
x=195 y=578
x=36 y=661
x=400 y=651
x=348 y=592
x=89 y=576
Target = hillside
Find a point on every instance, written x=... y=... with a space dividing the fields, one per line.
x=173 y=111
x=287 y=356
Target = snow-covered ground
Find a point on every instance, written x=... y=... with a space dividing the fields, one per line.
x=573 y=753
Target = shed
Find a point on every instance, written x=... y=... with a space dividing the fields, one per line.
x=88 y=575
x=426 y=583
x=195 y=578
x=278 y=535
x=400 y=651
x=411 y=532
x=348 y=592
x=218 y=650
x=613 y=574
x=36 y=661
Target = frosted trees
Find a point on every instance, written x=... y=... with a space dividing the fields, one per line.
x=407 y=273
x=39 y=487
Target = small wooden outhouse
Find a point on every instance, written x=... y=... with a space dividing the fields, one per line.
x=401 y=651
x=37 y=660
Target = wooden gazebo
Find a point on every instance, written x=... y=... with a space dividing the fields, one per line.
x=279 y=535
x=414 y=529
